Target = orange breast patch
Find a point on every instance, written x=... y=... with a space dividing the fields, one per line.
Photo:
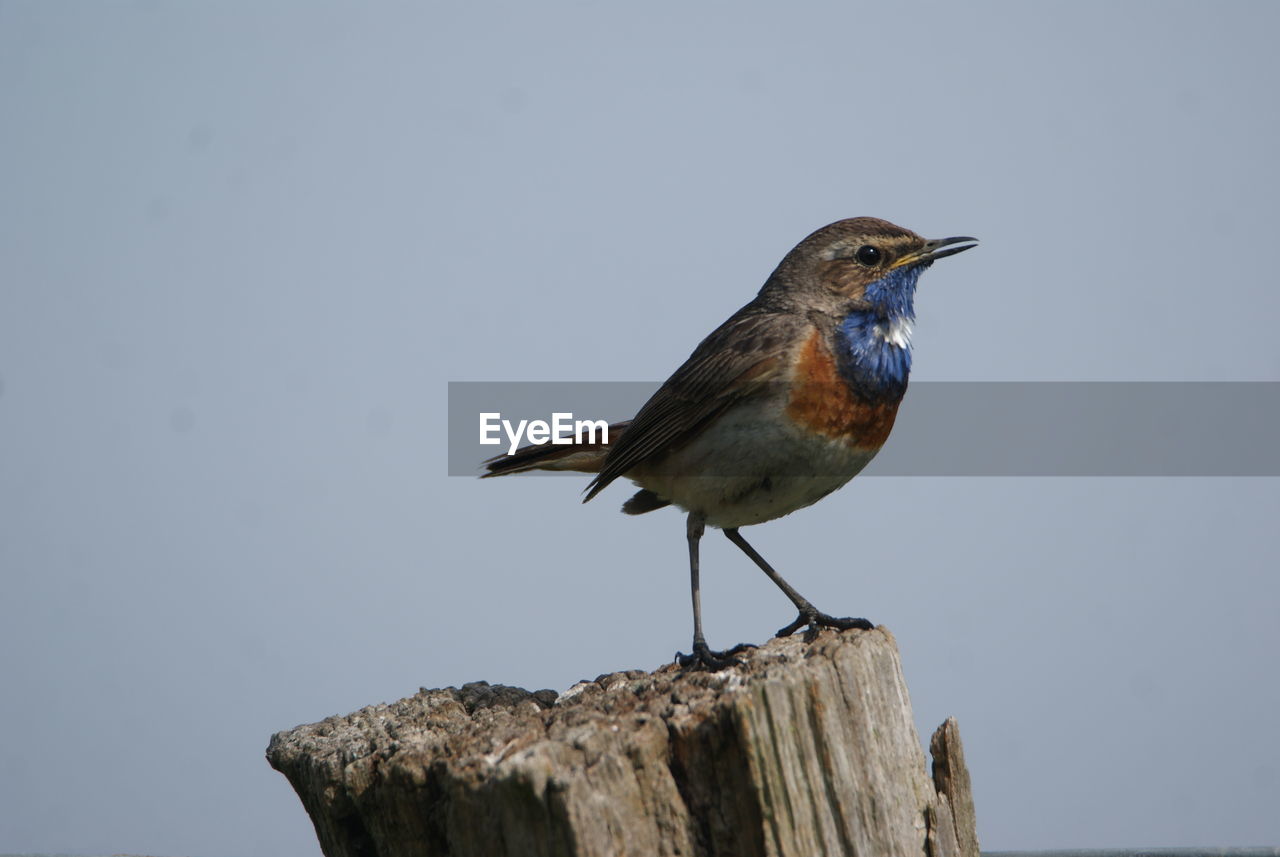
x=822 y=402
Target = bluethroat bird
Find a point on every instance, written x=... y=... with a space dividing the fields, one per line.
x=781 y=405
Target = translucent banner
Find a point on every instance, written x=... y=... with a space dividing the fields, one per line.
x=942 y=428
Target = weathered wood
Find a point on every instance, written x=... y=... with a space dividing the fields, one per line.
x=805 y=749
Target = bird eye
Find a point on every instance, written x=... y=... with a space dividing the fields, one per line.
x=868 y=255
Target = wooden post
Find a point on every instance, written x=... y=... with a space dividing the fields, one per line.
x=806 y=749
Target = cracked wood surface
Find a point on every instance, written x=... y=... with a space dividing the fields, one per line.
x=805 y=749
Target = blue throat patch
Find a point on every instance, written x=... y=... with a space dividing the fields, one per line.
x=875 y=367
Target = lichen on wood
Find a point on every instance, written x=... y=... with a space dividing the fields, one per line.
x=806 y=748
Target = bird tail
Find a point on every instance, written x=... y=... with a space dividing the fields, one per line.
x=580 y=457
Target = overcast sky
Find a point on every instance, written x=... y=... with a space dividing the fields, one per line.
x=245 y=246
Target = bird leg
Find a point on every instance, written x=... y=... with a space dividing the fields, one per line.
x=702 y=655
x=809 y=616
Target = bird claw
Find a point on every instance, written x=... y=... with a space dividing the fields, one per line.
x=815 y=621
x=704 y=658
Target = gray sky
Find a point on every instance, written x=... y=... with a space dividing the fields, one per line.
x=243 y=247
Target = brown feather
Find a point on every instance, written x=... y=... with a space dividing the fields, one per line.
x=737 y=360
x=581 y=457
x=822 y=401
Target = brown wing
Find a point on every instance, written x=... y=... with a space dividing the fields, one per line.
x=730 y=364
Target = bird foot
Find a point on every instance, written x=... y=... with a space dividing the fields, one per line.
x=704 y=658
x=815 y=621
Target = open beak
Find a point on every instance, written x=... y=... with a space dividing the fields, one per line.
x=932 y=250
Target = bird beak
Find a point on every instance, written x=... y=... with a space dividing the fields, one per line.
x=932 y=250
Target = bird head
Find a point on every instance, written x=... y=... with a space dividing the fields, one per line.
x=862 y=264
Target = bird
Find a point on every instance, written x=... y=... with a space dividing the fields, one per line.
x=779 y=406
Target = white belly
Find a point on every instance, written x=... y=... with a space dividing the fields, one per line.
x=751 y=467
